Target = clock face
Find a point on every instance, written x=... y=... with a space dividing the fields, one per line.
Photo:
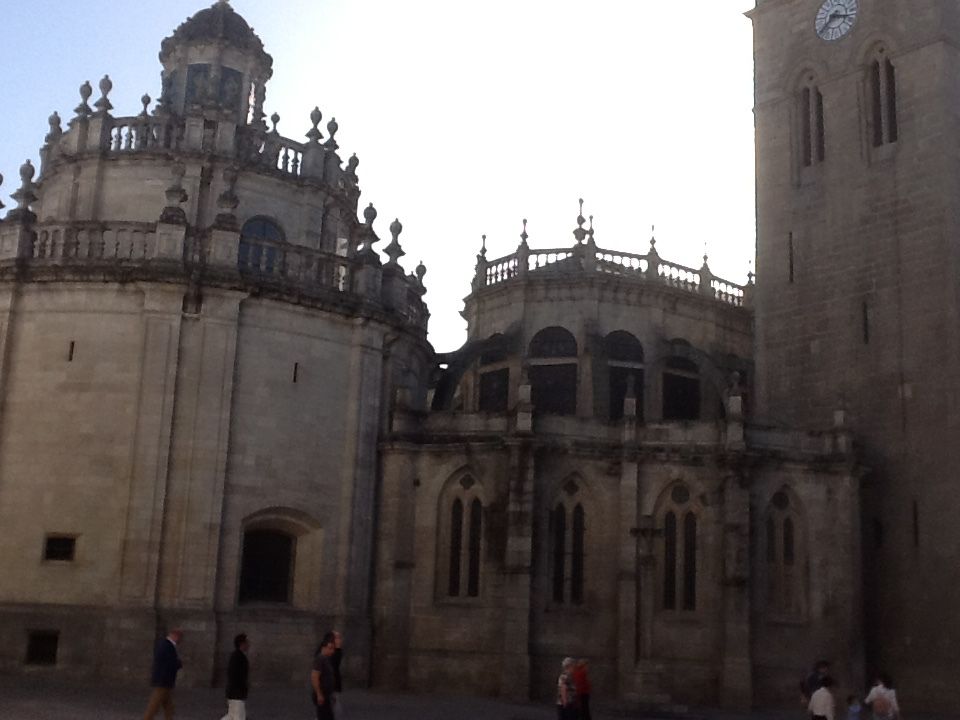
x=835 y=18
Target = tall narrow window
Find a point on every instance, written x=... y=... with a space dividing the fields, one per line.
x=681 y=390
x=790 y=260
x=459 y=545
x=916 y=525
x=813 y=141
x=669 y=561
x=456 y=546
x=576 y=560
x=785 y=582
x=473 y=563
x=865 y=318
x=624 y=361
x=690 y=562
x=553 y=372
x=559 y=552
x=882 y=88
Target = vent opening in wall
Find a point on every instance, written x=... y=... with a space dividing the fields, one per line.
x=42 y=647
x=296 y=372
x=70 y=351
x=60 y=548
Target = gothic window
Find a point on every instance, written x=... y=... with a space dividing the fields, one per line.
x=553 y=372
x=460 y=540
x=567 y=542
x=681 y=390
x=679 y=517
x=785 y=590
x=259 y=238
x=266 y=569
x=624 y=361
x=813 y=148
x=882 y=89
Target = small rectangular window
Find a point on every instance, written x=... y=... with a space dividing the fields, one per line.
x=806 y=136
x=70 y=351
x=876 y=104
x=296 y=372
x=821 y=133
x=59 y=547
x=42 y=647
x=892 y=130
x=865 y=319
x=790 y=260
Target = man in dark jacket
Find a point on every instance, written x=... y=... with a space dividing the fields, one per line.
x=322 y=679
x=163 y=676
x=238 y=679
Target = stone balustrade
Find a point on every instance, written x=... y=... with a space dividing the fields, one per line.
x=64 y=243
x=588 y=258
x=143 y=134
x=283 y=263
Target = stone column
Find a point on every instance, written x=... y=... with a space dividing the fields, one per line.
x=736 y=686
x=627 y=642
x=515 y=678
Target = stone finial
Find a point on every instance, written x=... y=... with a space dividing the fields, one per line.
x=393 y=250
x=145 y=101
x=332 y=128
x=421 y=271
x=653 y=240
x=24 y=194
x=84 y=110
x=1 y=183
x=580 y=233
x=313 y=134
x=590 y=230
x=55 y=130
x=369 y=214
x=275 y=119
x=523 y=235
x=483 y=247
x=103 y=105
x=228 y=201
x=352 y=162
x=176 y=196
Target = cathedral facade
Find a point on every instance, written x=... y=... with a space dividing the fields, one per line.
x=219 y=409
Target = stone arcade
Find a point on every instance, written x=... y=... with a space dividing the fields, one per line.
x=219 y=409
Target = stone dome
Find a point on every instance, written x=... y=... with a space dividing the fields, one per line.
x=217 y=23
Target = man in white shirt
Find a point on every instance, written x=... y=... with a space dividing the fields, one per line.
x=821 y=705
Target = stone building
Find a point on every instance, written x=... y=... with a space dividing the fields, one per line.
x=219 y=409
x=857 y=294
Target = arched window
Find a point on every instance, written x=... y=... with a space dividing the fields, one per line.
x=882 y=90
x=553 y=372
x=257 y=252
x=785 y=587
x=624 y=361
x=266 y=569
x=460 y=540
x=812 y=135
x=567 y=530
x=681 y=390
x=680 y=530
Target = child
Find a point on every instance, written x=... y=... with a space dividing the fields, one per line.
x=853 y=707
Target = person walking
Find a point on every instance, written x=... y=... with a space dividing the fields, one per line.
x=322 y=678
x=163 y=675
x=566 y=692
x=882 y=699
x=581 y=681
x=822 y=705
x=813 y=681
x=238 y=679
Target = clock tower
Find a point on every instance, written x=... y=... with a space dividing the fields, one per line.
x=858 y=291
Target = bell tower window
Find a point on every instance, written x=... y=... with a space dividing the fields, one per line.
x=813 y=144
x=882 y=88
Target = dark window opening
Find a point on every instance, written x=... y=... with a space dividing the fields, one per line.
x=893 y=131
x=559 y=533
x=576 y=569
x=865 y=318
x=553 y=389
x=681 y=390
x=267 y=566
x=807 y=148
x=621 y=346
x=496 y=350
x=670 y=561
x=876 y=103
x=790 y=266
x=296 y=371
x=473 y=550
x=821 y=134
x=553 y=342
x=494 y=390
x=788 y=542
x=456 y=546
x=690 y=561
x=619 y=381
x=59 y=547
x=42 y=647
x=70 y=351
x=877 y=533
x=257 y=250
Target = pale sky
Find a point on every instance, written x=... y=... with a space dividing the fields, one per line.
x=467 y=116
